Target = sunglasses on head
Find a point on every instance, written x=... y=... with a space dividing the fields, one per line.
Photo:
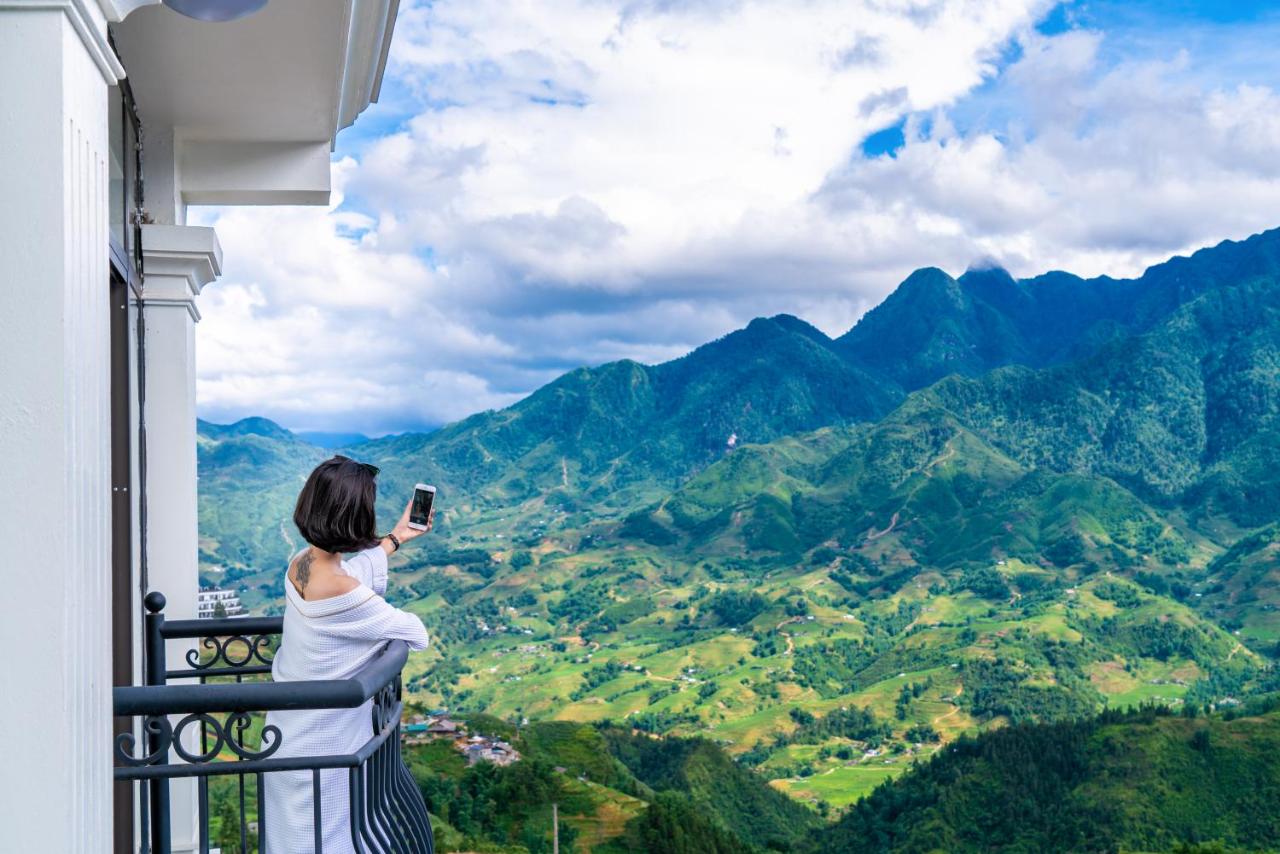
x=369 y=467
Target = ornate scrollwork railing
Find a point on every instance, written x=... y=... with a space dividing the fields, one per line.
x=228 y=647
x=387 y=813
x=223 y=657
x=228 y=733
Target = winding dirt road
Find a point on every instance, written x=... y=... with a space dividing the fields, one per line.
x=791 y=646
x=954 y=709
x=873 y=534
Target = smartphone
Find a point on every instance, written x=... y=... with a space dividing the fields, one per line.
x=424 y=496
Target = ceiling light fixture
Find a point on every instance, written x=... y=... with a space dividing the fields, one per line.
x=215 y=10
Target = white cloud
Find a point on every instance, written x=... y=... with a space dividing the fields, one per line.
x=584 y=181
x=683 y=127
x=316 y=326
x=1120 y=168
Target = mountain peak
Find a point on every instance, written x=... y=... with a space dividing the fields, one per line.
x=928 y=289
x=788 y=323
x=988 y=273
x=926 y=277
x=251 y=426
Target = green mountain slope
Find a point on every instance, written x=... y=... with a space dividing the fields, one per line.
x=1187 y=407
x=919 y=487
x=599 y=437
x=618 y=794
x=604 y=435
x=1243 y=587
x=1166 y=410
x=716 y=786
x=993 y=501
x=933 y=325
x=1139 y=782
x=249 y=476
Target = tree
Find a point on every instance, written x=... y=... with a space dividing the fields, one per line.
x=1067 y=551
x=227 y=833
x=922 y=734
x=986 y=582
x=673 y=825
x=735 y=608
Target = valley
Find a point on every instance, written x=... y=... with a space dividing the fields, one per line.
x=993 y=503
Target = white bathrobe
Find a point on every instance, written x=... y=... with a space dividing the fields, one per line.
x=328 y=639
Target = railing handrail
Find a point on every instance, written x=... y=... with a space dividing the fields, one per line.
x=386 y=810
x=222 y=627
x=264 y=696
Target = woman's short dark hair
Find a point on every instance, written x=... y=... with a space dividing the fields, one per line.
x=335 y=507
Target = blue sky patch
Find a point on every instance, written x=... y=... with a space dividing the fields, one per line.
x=886 y=141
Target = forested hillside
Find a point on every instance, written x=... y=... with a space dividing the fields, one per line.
x=1147 y=779
x=1144 y=781
x=618 y=792
x=992 y=502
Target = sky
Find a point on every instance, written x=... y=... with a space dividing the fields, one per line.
x=557 y=183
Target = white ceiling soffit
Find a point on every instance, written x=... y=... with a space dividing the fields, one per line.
x=297 y=71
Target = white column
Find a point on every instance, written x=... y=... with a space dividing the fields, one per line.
x=177 y=261
x=55 y=488
x=162 y=176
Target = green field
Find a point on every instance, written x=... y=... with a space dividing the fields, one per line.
x=841 y=786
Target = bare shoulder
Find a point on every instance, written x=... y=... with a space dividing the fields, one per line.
x=314 y=585
x=328 y=586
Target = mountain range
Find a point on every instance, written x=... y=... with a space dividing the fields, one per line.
x=993 y=500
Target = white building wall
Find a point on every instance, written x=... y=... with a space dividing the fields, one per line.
x=55 y=495
x=178 y=261
x=55 y=67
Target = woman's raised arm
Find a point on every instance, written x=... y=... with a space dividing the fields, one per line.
x=402 y=533
x=381 y=621
x=369 y=567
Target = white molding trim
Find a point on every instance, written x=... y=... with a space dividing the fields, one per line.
x=177 y=262
x=369 y=26
x=90 y=23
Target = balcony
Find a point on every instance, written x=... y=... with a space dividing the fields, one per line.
x=218 y=707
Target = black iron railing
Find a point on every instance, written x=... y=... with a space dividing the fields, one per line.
x=226 y=695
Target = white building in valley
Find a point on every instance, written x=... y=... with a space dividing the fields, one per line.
x=115 y=116
x=208 y=603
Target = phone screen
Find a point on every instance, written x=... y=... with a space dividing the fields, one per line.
x=420 y=512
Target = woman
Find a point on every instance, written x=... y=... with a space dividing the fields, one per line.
x=335 y=621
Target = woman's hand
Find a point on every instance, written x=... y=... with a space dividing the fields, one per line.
x=402 y=530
